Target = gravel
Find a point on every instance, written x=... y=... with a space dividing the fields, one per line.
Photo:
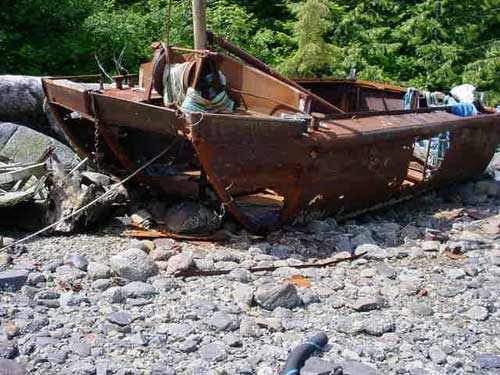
x=408 y=307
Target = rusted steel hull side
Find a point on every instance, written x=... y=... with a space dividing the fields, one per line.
x=321 y=173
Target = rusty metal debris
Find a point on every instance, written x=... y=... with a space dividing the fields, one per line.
x=216 y=236
x=300 y=280
x=454 y=256
x=289 y=152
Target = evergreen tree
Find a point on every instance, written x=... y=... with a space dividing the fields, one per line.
x=313 y=56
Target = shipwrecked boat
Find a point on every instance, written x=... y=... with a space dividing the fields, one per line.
x=270 y=150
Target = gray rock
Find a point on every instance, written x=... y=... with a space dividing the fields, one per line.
x=5 y=261
x=274 y=324
x=52 y=266
x=83 y=350
x=165 y=284
x=162 y=368
x=318 y=366
x=487 y=361
x=213 y=352
x=13 y=279
x=363 y=238
x=81 y=367
x=368 y=303
x=240 y=274
x=134 y=264
x=35 y=278
x=357 y=368
x=98 y=271
x=72 y=299
x=139 y=339
x=179 y=263
x=372 y=251
x=318 y=226
x=11 y=367
x=386 y=271
x=114 y=295
x=421 y=309
x=249 y=328
x=378 y=325
x=78 y=261
x=232 y=340
x=25 y=145
x=410 y=231
x=453 y=291
x=221 y=321
x=488 y=187
x=477 y=313
x=178 y=331
x=8 y=349
x=349 y=326
x=162 y=255
x=191 y=217
x=102 y=284
x=120 y=318
x=455 y=273
x=138 y=289
x=69 y=275
x=343 y=243
x=431 y=245
x=437 y=355
x=190 y=345
x=387 y=233
x=308 y=297
x=455 y=361
x=244 y=295
x=284 y=295
x=57 y=357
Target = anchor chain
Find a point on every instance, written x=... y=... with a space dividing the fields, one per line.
x=97 y=144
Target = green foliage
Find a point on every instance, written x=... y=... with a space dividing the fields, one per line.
x=314 y=54
x=44 y=36
x=431 y=44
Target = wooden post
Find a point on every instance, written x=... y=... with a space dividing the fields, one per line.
x=200 y=24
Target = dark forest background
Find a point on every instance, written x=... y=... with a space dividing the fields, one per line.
x=431 y=44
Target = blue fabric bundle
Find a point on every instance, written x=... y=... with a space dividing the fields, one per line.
x=463 y=109
x=410 y=93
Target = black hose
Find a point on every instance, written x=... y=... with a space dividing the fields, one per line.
x=302 y=352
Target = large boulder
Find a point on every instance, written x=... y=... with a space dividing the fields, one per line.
x=25 y=145
x=21 y=101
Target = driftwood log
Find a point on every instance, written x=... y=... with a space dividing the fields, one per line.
x=68 y=193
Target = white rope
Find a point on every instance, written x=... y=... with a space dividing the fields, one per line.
x=81 y=209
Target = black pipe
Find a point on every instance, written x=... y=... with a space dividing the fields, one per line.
x=302 y=352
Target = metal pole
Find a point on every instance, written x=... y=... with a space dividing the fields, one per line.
x=200 y=24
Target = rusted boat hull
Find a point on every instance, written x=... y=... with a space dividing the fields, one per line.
x=318 y=175
x=268 y=170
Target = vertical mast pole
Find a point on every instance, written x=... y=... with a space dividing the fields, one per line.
x=200 y=24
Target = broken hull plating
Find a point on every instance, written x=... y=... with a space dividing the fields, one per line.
x=269 y=171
